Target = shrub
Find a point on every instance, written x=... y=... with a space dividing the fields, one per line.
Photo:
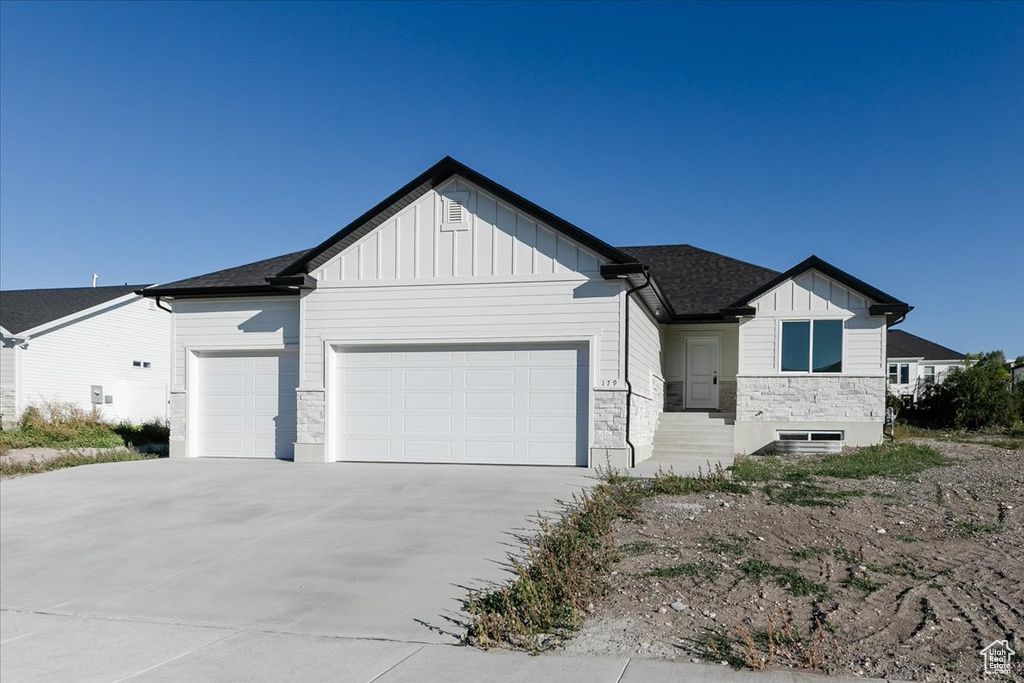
x=56 y=424
x=975 y=397
x=151 y=432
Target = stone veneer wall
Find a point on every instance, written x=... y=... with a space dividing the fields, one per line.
x=8 y=408
x=310 y=404
x=674 y=401
x=727 y=396
x=674 y=392
x=810 y=399
x=643 y=419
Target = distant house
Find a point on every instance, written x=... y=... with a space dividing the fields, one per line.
x=96 y=347
x=915 y=362
x=1016 y=369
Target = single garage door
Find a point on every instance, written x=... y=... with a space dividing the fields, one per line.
x=247 y=404
x=509 y=404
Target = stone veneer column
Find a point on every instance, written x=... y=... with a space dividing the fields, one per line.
x=311 y=425
x=177 y=411
x=8 y=408
x=609 y=429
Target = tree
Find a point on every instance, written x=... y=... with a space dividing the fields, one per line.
x=973 y=397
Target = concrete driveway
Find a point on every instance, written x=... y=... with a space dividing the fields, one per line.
x=116 y=570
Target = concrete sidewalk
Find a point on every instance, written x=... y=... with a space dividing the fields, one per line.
x=60 y=647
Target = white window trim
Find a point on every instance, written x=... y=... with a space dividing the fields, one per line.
x=809 y=372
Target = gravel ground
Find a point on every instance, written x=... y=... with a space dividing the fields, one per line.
x=909 y=579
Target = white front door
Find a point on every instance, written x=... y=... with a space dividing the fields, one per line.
x=515 y=404
x=702 y=373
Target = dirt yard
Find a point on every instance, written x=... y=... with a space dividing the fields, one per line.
x=905 y=579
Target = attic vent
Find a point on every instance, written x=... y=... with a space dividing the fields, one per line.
x=455 y=215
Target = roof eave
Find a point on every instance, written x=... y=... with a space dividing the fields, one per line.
x=216 y=292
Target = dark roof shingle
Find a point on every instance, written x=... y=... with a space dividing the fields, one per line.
x=249 y=275
x=24 y=309
x=698 y=282
x=902 y=344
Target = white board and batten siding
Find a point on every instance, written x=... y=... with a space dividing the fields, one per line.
x=808 y=296
x=64 y=363
x=492 y=239
x=237 y=359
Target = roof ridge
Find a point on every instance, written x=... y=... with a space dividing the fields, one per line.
x=706 y=251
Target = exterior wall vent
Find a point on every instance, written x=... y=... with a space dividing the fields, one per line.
x=455 y=211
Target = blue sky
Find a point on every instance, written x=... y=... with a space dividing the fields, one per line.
x=150 y=142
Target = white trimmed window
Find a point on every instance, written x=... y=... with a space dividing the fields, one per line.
x=929 y=374
x=812 y=346
x=899 y=373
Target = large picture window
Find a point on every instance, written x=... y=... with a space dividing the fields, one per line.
x=812 y=346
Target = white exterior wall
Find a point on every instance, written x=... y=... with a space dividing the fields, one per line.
x=645 y=377
x=645 y=363
x=62 y=364
x=768 y=400
x=233 y=324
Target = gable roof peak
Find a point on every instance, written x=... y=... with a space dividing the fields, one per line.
x=423 y=183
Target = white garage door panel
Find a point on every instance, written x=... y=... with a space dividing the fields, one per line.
x=247 y=405
x=508 y=404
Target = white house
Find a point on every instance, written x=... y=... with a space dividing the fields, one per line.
x=96 y=347
x=914 y=363
x=456 y=321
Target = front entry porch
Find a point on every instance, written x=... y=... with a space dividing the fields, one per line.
x=701 y=363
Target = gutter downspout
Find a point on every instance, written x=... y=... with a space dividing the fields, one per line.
x=625 y=374
x=159 y=304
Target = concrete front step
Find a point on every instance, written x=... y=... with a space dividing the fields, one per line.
x=695 y=431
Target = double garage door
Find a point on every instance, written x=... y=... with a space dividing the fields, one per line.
x=496 y=404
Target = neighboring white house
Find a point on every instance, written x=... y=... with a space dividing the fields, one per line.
x=96 y=347
x=459 y=322
x=914 y=363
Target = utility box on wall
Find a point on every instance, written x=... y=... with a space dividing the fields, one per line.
x=97 y=394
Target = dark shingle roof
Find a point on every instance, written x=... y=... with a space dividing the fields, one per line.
x=249 y=275
x=902 y=344
x=697 y=281
x=24 y=309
